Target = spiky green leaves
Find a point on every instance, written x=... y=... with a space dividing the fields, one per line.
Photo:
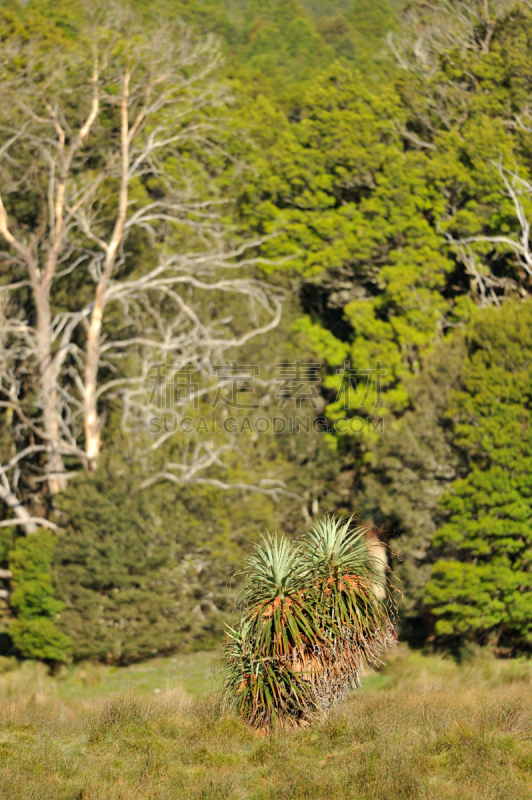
x=273 y=598
x=272 y=570
x=311 y=614
x=264 y=690
x=347 y=578
x=334 y=546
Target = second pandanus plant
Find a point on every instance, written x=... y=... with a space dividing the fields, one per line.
x=348 y=580
x=311 y=612
x=350 y=592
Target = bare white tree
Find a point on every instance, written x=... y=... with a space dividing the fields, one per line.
x=486 y=286
x=434 y=31
x=119 y=257
x=433 y=27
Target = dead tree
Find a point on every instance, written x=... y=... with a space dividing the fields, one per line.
x=105 y=149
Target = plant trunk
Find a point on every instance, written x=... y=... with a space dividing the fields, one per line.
x=57 y=480
x=91 y=419
x=92 y=422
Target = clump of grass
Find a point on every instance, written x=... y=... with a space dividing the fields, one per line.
x=7 y=664
x=313 y=613
x=129 y=711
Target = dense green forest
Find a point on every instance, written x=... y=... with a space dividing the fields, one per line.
x=262 y=260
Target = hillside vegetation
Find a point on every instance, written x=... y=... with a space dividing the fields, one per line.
x=260 y=261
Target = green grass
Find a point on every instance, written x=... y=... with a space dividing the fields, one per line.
x=193 y=673
x=424 y=727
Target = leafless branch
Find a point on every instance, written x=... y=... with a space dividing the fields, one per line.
x=157 y=86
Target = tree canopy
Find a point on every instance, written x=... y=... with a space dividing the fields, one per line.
x=190 y=187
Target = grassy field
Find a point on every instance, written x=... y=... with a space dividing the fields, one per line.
x=423 y=727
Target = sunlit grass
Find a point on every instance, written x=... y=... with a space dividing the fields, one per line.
x=192 y=673
x=424 y=727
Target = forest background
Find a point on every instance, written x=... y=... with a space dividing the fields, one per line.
x=196 y=191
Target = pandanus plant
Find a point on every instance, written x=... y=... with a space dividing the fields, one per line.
x=312 y=612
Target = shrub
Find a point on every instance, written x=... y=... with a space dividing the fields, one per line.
x=311 y=615
x=145 y=573
x=34 y=632
x=40 y=639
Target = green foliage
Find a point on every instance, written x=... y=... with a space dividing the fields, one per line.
x=311 y=613
x=359 y=214
x=35 y=632
x=406 y=471
x=485 y=577
x=8 y=536
x=272 y=570
x=40 y=639
x=284 y=44
x=143 y=573
x=369 y=190
x=30 y=562
x=146 y=572
x=357 y=32
x=366 y=188
x=472 y=600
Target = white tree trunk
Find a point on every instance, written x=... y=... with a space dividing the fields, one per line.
x=48 y=390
